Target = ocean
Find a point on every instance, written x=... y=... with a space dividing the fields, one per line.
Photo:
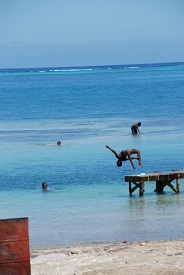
x=86 y=108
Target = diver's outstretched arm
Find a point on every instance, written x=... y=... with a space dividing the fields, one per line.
x=112 y=150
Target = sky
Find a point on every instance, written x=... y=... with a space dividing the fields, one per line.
x=60 y=33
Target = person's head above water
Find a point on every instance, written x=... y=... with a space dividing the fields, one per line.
x=139 y=124
x=58 y=142
x=119 y=163
x=44 y=185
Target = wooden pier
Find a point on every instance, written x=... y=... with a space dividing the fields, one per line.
x=161 y=178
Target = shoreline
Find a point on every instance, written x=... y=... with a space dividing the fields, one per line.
x=140 y=258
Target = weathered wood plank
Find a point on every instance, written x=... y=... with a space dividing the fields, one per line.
x=155 y=176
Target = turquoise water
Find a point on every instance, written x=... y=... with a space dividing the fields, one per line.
x=87 y=108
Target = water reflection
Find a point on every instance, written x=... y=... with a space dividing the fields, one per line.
x=156 y=217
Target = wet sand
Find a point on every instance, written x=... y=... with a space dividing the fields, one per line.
x=140 y=258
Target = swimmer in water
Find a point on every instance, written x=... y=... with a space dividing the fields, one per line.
x=44 y=185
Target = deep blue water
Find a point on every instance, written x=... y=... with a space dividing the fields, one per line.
x=86 y=108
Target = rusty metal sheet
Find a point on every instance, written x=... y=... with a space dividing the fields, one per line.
x=14 y=247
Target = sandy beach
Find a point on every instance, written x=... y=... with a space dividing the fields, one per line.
x=140 y=258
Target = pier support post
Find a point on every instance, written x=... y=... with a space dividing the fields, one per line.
x=159 y=186
x=139 y=185
x=177 y=185
x=141 y=188
x=130 y=188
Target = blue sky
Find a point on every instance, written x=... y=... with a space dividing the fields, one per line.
x=46 y=33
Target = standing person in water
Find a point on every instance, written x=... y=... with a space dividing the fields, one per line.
x=126 y=155
x=135 y=128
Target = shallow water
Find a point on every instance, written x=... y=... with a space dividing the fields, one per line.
x=88 y=199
